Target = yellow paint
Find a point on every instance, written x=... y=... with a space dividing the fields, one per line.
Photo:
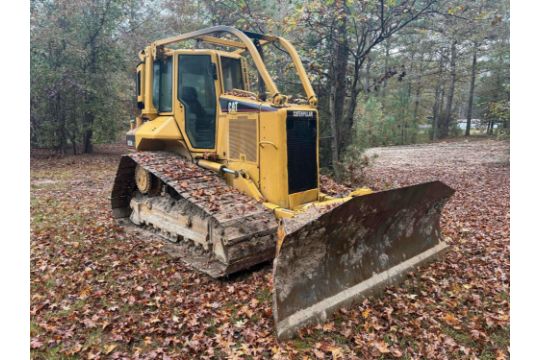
x=246 y=185
x=210 y=165
x=251 y=142
x=161 y=128
x=360 y=192
x=149 y=111
x=303 y=197
x=281 y=212
x=273 y=158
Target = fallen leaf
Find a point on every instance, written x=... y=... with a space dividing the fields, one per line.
x=35 y=344
x=365 y=313
x=450 y=319
x=109 y=348
x=382 y=347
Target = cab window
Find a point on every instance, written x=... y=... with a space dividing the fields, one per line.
x=232 y=74
x=197 y=93
x=162 y=85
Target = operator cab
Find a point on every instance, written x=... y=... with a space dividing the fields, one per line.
x=198 y=103
x=201 y=77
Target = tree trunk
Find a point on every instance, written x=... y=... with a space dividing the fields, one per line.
x=403 y=121
x=440 y=115
x=61 y=133
x=60 y=116
x=333 y=125
x=385 y=81
x=338 y=72
x=87 y=138
x=449 y=101
x=91 y=70
x=367 y=75
x=435 y=125
x=438 y=100
x=73 y=142
x=406 y=104
x=471 y=91
x=417 y=92
x=415 y=112
x=348 y=120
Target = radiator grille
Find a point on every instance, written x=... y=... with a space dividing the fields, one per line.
x=302 y=151
x=243 y=139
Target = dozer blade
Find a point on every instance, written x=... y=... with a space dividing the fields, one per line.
x=353 y=250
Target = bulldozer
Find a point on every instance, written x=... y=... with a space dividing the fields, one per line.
x=230 y=176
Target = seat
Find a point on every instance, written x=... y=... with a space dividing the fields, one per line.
x=199 y=121
x=190 y=98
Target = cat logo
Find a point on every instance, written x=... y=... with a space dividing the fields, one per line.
x=232 y=106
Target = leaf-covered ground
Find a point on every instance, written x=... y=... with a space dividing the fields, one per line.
x=100 y=292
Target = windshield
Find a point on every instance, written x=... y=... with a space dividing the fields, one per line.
x=232 y=74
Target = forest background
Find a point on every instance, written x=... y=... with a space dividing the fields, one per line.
x=386 y=72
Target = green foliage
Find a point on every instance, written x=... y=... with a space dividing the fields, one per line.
x=499 y=110
x=372 y=127
x=377 y=127
x=78 y=74
x=84 y=53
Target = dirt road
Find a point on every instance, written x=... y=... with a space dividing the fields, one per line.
x=463 y=154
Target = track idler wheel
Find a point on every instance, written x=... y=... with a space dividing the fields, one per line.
x=147 y=183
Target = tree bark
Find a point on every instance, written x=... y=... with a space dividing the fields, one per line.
x=437 y=102
x=471 y=90
x=348 y=120
x=441 y=109
x=407 y=103
x=338 y=72
x=87 y=136
x=61 y=126
x=333 y=125
x=59 y=116
x=417 y=92
x=435 y=125
x=367 y=75
x=449 y=101
x=92 y=71
x=88 y=118
x=385 y=81
x=416 y=105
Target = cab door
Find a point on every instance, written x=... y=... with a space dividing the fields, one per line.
x=196 y=99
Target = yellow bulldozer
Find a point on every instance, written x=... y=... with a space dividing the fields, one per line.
x=231 y=177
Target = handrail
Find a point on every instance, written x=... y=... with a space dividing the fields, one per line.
x=306 y=84
x=261 y=68
x=300 y=70
x=247 y=44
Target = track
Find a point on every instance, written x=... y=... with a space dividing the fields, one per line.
x=218 y=230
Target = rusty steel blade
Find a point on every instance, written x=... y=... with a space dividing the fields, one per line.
x=354 y=250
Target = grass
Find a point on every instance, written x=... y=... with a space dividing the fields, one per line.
x=264 y=295
x=459 y=336
x=501 y=340
x=301 y=344
x=52 y=353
